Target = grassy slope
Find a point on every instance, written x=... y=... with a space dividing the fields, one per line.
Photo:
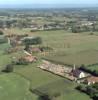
x=14 y=87
x=36 y=76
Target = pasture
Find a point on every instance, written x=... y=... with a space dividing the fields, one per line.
x=16 y=85
x=63 y=90
x=45 y=82
x=69 y=48
x=86 y=57
x=64 y=45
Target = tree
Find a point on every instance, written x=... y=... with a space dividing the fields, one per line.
x=1 y=24
x=76 y=29
x=21 y=61
x=32 y=41
x=45 y=97
x=81 y=88
x=95 y=97
x=1 y=32
x=82 y=66
x=9 y=68
x=8 y=24
x=27 y=48
x=3 y=39
x=95 y=86
x=93 y=27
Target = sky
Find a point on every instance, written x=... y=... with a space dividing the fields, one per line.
x=48 y=2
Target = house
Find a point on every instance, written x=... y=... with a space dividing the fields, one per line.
x=91 y=80
x=30 y=58
x=77 y=73
x=35 y=49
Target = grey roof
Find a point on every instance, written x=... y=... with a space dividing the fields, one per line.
x=76 y=72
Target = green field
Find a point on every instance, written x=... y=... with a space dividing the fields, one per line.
x=65 y=89
x=64 y=45
x=71 y=48
x=50 y=83
x=68 y=48
x=86 y=57
x=14 y=87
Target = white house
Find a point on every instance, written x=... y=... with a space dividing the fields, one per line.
x=78 y=73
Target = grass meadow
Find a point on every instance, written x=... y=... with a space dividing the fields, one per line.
x=68 y=48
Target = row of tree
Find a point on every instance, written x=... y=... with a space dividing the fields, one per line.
x=78 y=28
x=91 y=90
x=89 y=70
x=32 y=41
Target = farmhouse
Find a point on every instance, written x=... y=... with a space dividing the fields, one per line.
x=78 y=74
x=86 y=23
x=27 y=38
x=30 y=58
x=35 y=49
x=91 y=80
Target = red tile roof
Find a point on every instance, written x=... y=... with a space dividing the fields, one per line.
x=30 y=58
x=92 y=79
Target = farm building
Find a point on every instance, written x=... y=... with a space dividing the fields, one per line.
x=35 y=49
x=30 y=58
x=78 y=74
x=56 y=69
x=91 y=80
